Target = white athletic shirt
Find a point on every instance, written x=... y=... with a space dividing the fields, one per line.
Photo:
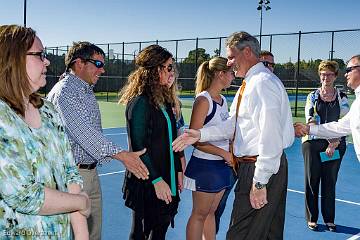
x=221 y=114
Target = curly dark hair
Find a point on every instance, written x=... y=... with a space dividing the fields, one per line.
x=146 y=80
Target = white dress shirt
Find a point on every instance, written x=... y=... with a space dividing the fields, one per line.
x=264 y=125
x=349 y=124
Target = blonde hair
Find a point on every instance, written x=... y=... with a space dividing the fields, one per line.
x=328 y=65
x=206 y=72
x=146 y=80
x=15 y=41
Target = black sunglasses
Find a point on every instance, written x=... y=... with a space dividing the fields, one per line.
x=268 y=64
x=169 y=68
x=349 y=69
x=41 y=54
x=97 y=63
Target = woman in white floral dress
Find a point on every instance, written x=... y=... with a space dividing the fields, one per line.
x=40 y=187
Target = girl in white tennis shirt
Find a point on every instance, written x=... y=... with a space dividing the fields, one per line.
x=207 y=173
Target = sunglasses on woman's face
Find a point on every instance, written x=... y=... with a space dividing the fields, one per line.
x=169 y=67
x=41 y=54
x=97 y=63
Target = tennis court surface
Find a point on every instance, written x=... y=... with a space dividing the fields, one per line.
x=117 y=217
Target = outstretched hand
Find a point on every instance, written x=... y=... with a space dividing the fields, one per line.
x=190 y=136
x=301 y=129
x=133 y=163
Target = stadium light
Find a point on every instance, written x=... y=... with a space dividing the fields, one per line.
x=262 y=5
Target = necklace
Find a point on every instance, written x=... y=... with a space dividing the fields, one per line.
x=327 y=95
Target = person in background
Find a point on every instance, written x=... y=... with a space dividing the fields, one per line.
x=267 y=58
x=350 y=123
x=180 y=123
x=40 y=186
x=208 y=173
x=151 y=124
x=74 y=98
x=323 y=105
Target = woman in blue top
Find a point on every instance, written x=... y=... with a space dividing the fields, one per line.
x=325 y=104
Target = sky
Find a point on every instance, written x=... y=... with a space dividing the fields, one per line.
x=59 y=23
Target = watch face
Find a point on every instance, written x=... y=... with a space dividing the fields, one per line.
x=258 y=185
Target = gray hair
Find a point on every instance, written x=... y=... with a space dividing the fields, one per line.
x=357 y=57
x=240 y=40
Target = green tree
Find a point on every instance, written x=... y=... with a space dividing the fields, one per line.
x=202 y=56
x=341 y=63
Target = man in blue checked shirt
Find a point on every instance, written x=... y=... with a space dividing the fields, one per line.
x=74 y=98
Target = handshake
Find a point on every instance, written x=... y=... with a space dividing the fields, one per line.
x=301 y=129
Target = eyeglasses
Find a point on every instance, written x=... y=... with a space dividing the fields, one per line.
x=349 y=69
x=41 y=54
x=327 y=74
x=268 y=64
x=169 y=68
x=97 y=63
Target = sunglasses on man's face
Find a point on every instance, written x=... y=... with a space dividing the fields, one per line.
x=169 y=67
x=349 y=69
x=97 y=63
x=268 y=64
x=41 y=54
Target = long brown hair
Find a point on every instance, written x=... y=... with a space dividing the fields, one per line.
x=15 y=41
x=146 y=80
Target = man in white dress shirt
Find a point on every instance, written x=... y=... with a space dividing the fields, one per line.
x=350 y=123
x=263 y=130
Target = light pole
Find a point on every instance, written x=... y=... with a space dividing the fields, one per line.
x=24 y=13
x=262 y=4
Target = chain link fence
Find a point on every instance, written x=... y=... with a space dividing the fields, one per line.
x=297 y=56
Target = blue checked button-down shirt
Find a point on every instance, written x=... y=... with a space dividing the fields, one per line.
x=77 y=105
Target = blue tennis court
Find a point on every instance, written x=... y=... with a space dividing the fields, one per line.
x=117 y=217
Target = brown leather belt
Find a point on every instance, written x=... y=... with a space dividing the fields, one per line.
x=87 y=166
x=245 y=159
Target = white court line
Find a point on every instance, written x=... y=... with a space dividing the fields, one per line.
x=112 y=128
x=111 y=173
x=336 y=199
x=354 y=237
x=290 y=190
x=112 y=134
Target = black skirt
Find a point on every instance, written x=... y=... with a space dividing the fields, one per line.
x=140 y=196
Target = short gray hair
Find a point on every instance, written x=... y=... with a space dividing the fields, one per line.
x=240 y=40
x=357 y=57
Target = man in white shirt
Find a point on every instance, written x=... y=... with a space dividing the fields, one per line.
x=350 y=123
x=263 y=130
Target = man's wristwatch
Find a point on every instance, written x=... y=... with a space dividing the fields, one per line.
x=259 y=185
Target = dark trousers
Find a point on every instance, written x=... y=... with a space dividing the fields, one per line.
x=137 y=230
x=248 y=223
x=222 y=204
x=316 y=171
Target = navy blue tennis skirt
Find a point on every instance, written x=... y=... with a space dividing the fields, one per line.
x=207 y=175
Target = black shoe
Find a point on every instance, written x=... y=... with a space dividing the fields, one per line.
x=331 y=227
x=312 y=226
